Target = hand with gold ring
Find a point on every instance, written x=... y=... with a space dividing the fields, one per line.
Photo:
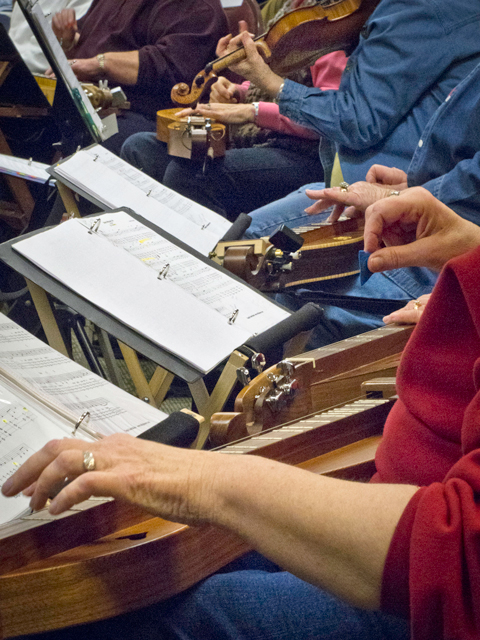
x=410 y=313
x=350 y=200
x=148 y=474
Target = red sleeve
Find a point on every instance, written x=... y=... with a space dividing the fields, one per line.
x=432 y=571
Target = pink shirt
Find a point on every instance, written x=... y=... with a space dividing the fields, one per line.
x=326 y=74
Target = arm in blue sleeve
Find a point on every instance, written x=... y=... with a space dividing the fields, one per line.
x=406 y=52
x=459 y=189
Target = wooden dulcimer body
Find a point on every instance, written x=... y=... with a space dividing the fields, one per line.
x=328 y=251
x=311 y=382
x=172 y=128
x=100 y=561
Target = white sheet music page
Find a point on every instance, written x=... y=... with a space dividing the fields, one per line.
x=116 y=184
x=212 y=286
x=25 y=427
x=202 y=321
x=42 y=393
x=70 y=385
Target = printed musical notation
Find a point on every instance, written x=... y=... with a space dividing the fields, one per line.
x=12 y=460
x=13 y=418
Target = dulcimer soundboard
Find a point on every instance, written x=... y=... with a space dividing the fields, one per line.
x=105 y=557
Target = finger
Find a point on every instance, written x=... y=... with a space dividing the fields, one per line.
x=186 y=112
x=91 y=483
x=373 y=174
x=352 y=213
x=31 y=469
x=67 y=464
x=404 y=316
x=337 y=211
x=319 y=206
x=415 y=254
x=29 y=491
x=315 y=194
x=251 y=50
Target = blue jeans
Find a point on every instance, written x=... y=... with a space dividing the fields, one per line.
x=290 y=210
x=250 y=600
x=243 y=180
x=145 y=152
x=255 y=600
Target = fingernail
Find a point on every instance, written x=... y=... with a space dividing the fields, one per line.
x=53 y=508
x=376 y=264
x=7 y=487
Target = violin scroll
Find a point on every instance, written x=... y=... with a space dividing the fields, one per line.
x=182 y=96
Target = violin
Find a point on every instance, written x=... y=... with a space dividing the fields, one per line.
x=295 y=41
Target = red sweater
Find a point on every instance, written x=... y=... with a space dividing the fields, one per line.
x=432 y=438
x=175 y=40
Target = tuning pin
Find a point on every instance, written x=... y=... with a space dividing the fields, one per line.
x=258 y=362
x=243 y=376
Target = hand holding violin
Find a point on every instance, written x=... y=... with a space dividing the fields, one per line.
x=253 y=67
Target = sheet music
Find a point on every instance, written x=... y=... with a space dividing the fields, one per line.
x=58 y=388
x=25 y=427
x=50 y=41
x=22 y=168
x=215 y=288
x=200 y=317
x=115 y=183
x=70 y=385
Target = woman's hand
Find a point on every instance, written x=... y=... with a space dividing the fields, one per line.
x=226 y=113
x=64 y=25
x=230 y=43
x=166 y=481
x=410 y=313
x=253 y=67
x=389 y=177
x=224 y=91
x=419 y=231
x=352 y=202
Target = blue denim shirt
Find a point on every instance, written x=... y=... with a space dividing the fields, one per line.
x=447 y=158
x=411 y=55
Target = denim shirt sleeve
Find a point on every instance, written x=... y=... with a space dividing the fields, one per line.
x=405 y=49
x=460 y=188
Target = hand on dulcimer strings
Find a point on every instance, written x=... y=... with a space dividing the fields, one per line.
x=295 y=41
